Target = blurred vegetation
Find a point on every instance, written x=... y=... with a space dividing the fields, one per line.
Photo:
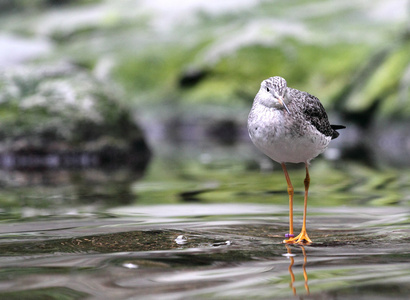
x=13 y=6
x=384 y=80
x=198 y=55
x=219 y=182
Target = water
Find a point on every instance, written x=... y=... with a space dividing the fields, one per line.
x=208 y=225
x=231 y=251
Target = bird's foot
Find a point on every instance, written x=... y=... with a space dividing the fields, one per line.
x=302 y=239
x=290 y=238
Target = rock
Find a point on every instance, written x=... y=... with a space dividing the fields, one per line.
x=59 y=116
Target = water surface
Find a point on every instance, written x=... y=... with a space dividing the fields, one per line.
x=207 y=251
x=210 y=229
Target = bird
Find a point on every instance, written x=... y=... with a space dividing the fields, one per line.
x=290 y=126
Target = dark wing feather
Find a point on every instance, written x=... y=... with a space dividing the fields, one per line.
x=315 y=114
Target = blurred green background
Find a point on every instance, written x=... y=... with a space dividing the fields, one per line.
x=154 y=95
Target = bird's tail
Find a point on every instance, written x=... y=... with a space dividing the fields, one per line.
x=336 y=127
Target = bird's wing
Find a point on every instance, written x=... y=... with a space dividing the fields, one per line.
x=315 y=114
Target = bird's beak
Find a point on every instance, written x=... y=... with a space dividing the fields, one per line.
x=280 y=99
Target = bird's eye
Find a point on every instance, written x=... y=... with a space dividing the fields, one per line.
x=267 y=89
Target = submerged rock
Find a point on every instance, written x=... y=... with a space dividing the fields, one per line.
x=55 y=116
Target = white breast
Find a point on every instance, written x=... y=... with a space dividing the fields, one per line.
x=283 y=140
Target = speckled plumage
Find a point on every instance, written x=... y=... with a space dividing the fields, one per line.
x=288 y=125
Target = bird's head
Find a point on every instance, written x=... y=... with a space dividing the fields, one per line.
x=273 y=93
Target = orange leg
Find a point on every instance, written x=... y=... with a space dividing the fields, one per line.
x=290 y=192
x=303 y=237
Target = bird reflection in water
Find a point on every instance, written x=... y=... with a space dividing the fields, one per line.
x=292 y=261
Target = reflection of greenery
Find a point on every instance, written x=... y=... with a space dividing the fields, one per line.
x=221 y=180
x=230 y=181
x=61 y=192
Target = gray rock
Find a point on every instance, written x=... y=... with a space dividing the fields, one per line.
x=59 y=115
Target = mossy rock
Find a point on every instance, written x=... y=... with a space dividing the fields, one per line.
x=57 y=114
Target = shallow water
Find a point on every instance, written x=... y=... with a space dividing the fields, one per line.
x=204 y=226
x=222 y=251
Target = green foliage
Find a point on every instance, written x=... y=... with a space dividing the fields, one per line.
x=386 y=84
x=316 y=50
